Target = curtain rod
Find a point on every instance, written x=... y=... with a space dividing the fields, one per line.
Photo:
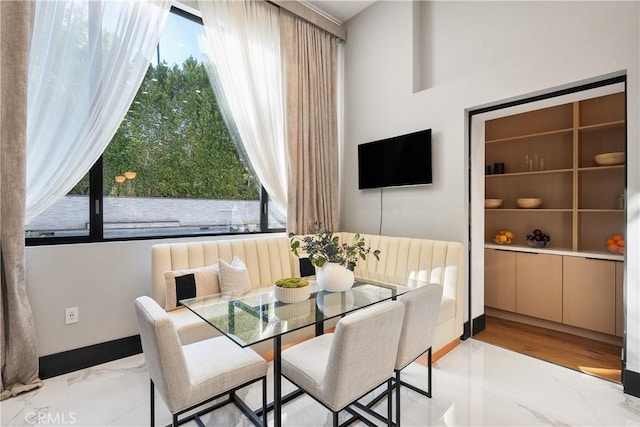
x=312 y=16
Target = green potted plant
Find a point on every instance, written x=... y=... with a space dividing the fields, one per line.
x=292 y=289
x=335 y=260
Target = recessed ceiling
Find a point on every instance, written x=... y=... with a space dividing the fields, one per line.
x=340 y=11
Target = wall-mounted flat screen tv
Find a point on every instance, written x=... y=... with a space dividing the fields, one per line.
x=394 y=162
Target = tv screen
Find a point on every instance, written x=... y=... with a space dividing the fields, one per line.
x=394 y=162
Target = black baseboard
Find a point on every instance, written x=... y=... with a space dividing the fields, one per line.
x=631 y=382
x=479 y=324
x=466 y=331
x=85 y=357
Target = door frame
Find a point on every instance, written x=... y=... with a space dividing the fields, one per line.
x=476 y=119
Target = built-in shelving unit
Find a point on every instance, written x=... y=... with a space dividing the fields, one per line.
x=550 y=154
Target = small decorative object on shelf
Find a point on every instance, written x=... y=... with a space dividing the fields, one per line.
x=292 y=289
x=529 y=203
x=615 y=244
x=535 y=163
x=498 y=168
x=538 y=239
x=609 y=159
x=503 y=237
x=492 y=203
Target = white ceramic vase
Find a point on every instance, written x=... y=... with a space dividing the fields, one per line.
x=334 y=277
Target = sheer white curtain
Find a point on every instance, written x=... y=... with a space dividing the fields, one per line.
x=87 y=60
x=243 y=47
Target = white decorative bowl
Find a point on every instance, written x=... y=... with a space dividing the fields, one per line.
x=528 y=203
x=609 y=159
x=290 y=295
x=492 y=203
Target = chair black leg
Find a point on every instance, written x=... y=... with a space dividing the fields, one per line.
x=335 y=419
x=389 y=404
x=397 y=385
x=175 y=420
x=264 y=402
x=429 y=372
x=423 y=392
x=152 y=417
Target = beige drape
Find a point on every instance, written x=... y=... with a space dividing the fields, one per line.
x=18 y=354
x=310 y=70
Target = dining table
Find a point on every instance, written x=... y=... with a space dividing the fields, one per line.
x=257 y=316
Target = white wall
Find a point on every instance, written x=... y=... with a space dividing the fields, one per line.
x=101 y=279
x=479 y=53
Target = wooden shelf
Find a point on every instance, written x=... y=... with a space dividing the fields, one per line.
x=529 y=173
x=602 y=126
x=616 y=211
x=529 y=210
x=553 y=250
x=531 y=136
x=601 y=168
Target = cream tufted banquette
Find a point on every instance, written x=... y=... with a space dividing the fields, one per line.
x=269 y=259
x=428 y=261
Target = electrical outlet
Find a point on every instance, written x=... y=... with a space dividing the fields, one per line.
x=70 y=315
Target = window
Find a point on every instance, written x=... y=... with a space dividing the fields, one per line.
x=172 y=168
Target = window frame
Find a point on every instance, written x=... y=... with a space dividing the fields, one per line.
x=96 y=202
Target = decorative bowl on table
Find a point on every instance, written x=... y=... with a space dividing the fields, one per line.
x=291 y=289
x=492 y=203
x=538 y=239
x=529 y=202
x=609 y=159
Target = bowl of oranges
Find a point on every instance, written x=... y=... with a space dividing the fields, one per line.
x=615 y=244
x=503 y=237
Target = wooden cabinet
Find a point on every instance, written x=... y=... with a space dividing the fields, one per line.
x=619 y=299
x=550 y=154
x=539 y=286
x=589 y=294
x=500 y=279
x=577 y=291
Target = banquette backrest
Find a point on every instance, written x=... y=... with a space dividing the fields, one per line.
x=267 y=259
x=425 y=260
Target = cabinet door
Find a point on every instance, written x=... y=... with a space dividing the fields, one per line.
x=619 y=299
x=539 y=286
x=500 y=279
x=589 y=294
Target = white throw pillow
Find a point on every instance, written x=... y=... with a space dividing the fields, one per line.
x=190 y=283
x=233 y=277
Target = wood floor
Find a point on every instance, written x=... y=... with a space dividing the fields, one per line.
x=582 y=354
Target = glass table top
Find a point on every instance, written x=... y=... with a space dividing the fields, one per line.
x=257 y=316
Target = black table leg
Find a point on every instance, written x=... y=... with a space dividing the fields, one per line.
x=277 y=383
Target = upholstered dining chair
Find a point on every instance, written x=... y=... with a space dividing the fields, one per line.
x=338 y=368
x=188 y=377
x=421 y=308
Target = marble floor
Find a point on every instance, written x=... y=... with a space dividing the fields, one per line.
x=476 y=384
